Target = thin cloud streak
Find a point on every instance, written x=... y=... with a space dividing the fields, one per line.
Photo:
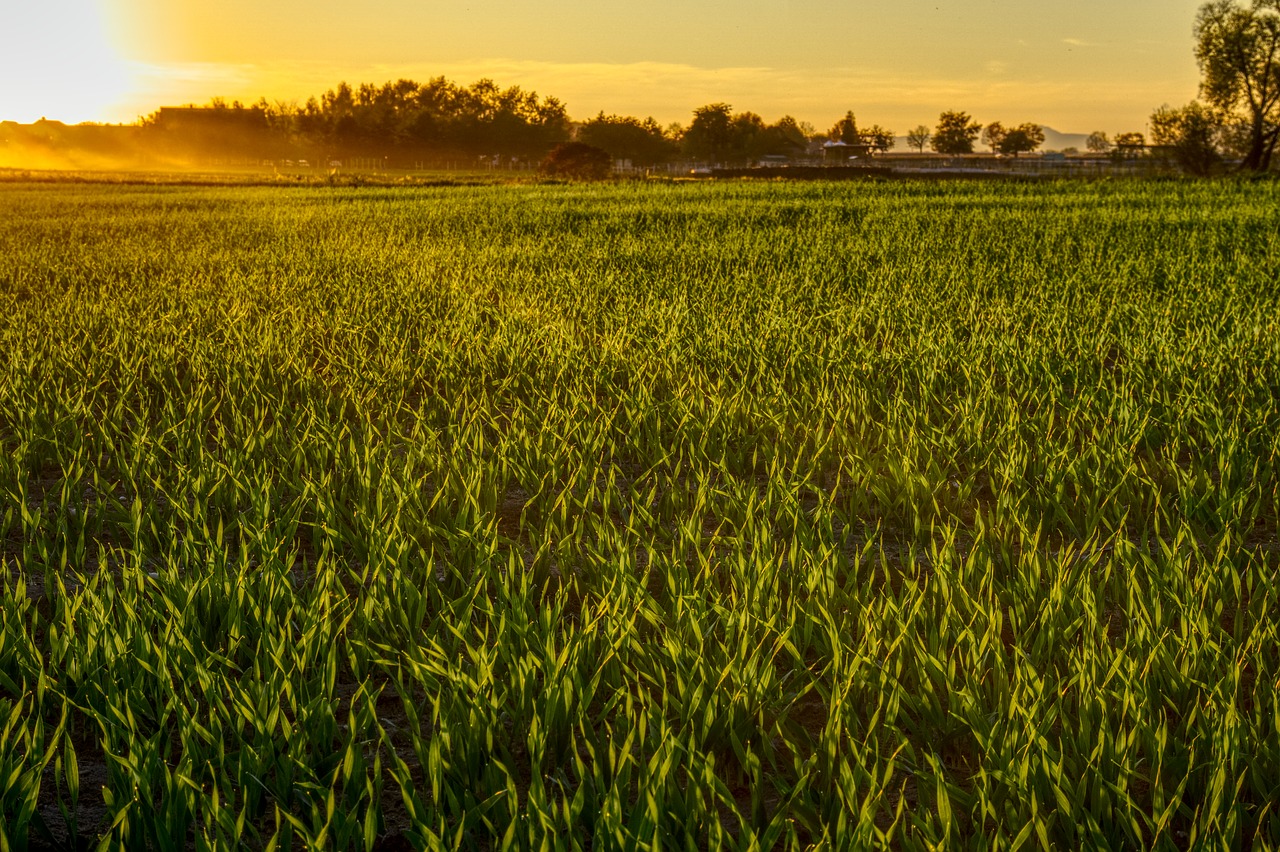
x=671 y=91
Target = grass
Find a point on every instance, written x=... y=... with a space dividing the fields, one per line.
x=731 y=515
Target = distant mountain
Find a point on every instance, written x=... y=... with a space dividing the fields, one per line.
x=1054 y=140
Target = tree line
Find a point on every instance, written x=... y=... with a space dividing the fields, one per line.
x=443 y=121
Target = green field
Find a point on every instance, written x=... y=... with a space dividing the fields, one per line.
x=732 y=515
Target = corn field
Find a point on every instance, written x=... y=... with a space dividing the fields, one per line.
x=671 y=516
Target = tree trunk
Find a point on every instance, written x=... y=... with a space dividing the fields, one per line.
x=1261 y=144
x=1253 y=160
x=1269 y=148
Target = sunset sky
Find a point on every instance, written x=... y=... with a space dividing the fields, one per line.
x=1074 y=66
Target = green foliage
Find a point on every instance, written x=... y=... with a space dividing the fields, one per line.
x=724 y=515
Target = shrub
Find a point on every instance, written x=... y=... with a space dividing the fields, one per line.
x=578 y=160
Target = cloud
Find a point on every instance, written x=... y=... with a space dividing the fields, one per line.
x=671 y=91
x=196 y=72
x=1076 y=42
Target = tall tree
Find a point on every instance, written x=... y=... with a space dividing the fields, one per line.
x=1238 y=48
x=1097 y=143
x=1022 y=139
x=878 y=139
x=786 y=137
x=955 y=133
x=918 y=138
x=628 y=138
x=748 y=138
x=845 y=130
x=710 y=134
x=992 y=135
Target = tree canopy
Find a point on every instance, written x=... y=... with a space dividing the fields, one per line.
x=876 y=138
x=1097 y=143
x=437 y=117
x=845 y=130
x=918 y=137
x=1191 y=133
x=992 y=135
x=955 y=133
x=405 y=121
x=577 y=160
x=1022 y=139
x=1238 y=49
x=709 y=135
x=628 y=138
x=718 y=135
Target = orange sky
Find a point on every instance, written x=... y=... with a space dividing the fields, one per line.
x=1091 y=64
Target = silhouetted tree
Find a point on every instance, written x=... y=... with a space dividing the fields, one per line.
x=436 y=119
x=628 y=138
x=786 y=137
x=1097 y=143
x=1022 y=139
x=718 y=135
x=710 y=134
x=1238 y=48
x=878 y=139
x=955 y=133
x=919 y=137
x=845 y=130
x=748 y=138
x=577 y=160
x=992 y=135
x=1192 y=133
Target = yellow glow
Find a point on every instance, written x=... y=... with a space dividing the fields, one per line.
x=58 y=62
x=1102 y=65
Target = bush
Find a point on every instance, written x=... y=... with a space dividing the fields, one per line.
x=1191 y=133
x=578 y=160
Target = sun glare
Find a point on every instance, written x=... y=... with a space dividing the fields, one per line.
x=59 y=63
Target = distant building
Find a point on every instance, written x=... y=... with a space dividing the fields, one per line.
x=836 y=152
